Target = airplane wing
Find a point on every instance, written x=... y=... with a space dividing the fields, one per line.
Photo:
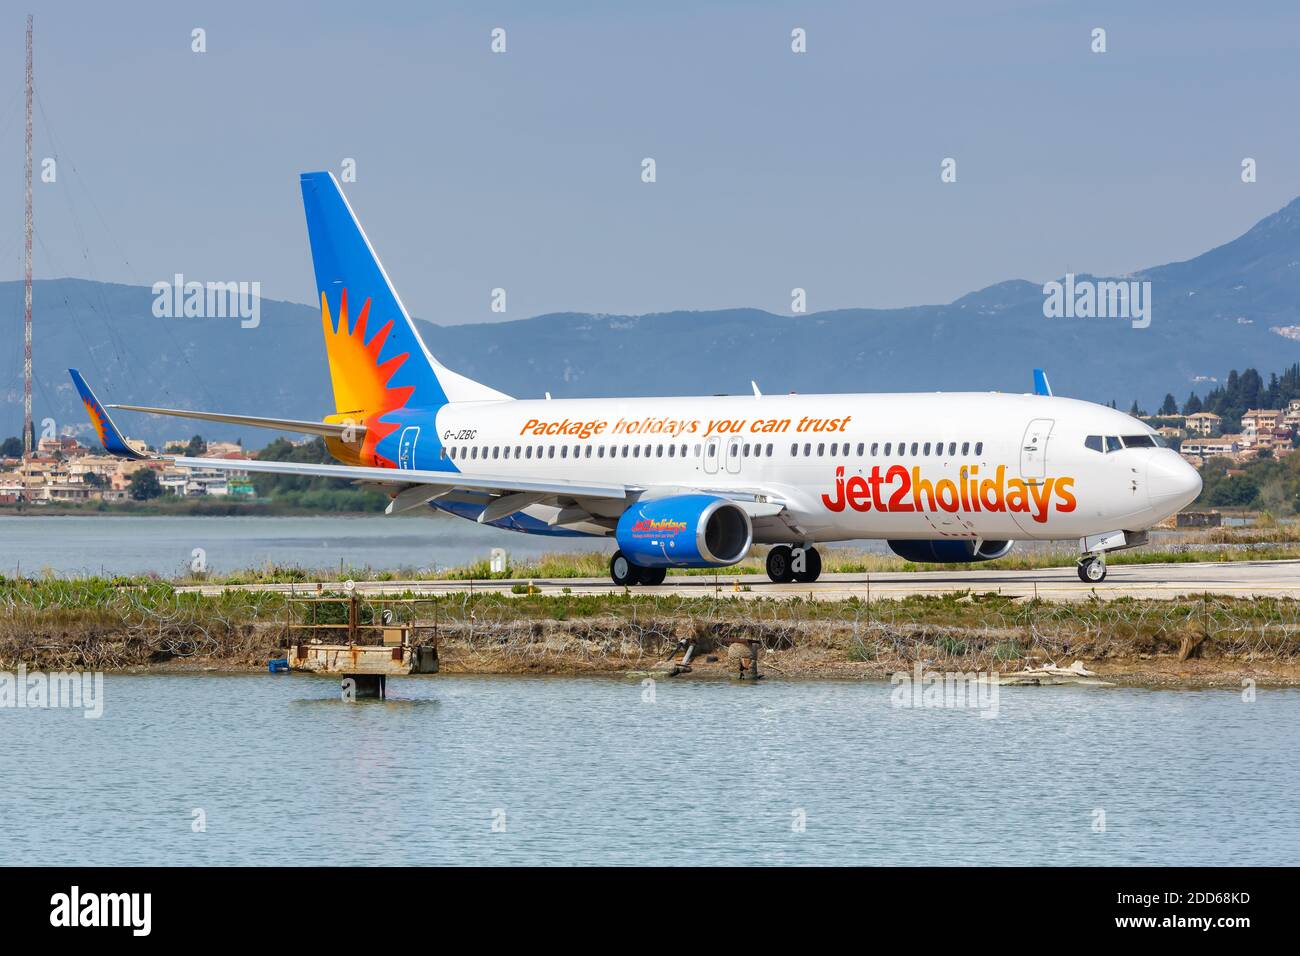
x=410 y=488
x=351 y=433
x=402 y=477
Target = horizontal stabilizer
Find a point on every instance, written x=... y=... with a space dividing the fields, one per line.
x=348 y=432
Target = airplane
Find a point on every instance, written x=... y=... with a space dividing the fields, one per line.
x=696 y=482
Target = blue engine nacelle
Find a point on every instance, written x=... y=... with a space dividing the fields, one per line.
x=684 y=531
x=948 y=551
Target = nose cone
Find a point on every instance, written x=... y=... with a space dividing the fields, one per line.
x=1172 y=483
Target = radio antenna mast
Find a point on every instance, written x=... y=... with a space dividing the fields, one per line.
x=29 y=434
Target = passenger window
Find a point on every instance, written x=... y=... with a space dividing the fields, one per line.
x=952 y=448
x=697 y=451
x=927 y=449
x=1093 y=442
x=710 y=451
x=636 y=451
x=659 y=451
x=862 y=447
x=875 y=447
x=672 y=451
x=965 y=448
x=746 y=451
x=1112 y=443
x=913 y=448
x=807 y=449
x=550 y=451
x=821 y=449
x=769 y=450
x=979 y=448
x=588 y=453
x=887 y=444
x=564 y=451
x=794 y=451
x=835 y=449
x=473 y=453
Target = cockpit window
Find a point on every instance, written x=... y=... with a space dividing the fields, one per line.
x=1138 y=441
x=1093 y=442
x=1113 y=443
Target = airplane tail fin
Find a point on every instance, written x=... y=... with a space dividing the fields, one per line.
x=378 y=363
x=108 y=433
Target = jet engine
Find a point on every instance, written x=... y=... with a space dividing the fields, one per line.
x=684 y=531
x=950 y=551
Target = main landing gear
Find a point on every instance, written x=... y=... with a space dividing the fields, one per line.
x=626 y=574
x=1092 y=568
x=786 y=564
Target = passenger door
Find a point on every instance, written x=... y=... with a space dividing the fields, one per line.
x=1033 y=450
x=406 y=446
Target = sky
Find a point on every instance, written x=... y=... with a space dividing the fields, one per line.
x=774 y=170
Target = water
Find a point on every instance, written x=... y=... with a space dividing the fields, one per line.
x=133 y=544
x=586 y=772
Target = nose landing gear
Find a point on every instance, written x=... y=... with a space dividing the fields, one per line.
x=1094 y=548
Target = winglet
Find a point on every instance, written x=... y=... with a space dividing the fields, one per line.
x=1041 y=385
x=109 y=436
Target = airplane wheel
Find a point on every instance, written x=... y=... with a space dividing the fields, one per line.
x=653 y=576
x=812 y=566
x=779 y=562
x=1092 y=570
x=624 y=573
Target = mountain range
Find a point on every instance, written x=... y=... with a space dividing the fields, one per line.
x=1233 y=306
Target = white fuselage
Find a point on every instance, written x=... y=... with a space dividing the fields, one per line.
x=985 y=466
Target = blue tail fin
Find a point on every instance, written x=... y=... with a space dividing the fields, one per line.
x=109 y=436
x=378 y=363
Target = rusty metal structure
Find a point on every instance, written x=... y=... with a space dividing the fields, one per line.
x=365 y=641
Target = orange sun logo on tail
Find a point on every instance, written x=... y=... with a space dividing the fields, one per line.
x=360 y=380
